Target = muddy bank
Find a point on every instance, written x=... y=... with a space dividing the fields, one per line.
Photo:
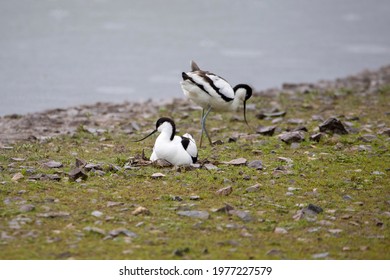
x=128 y=117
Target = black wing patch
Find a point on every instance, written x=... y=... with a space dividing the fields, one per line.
x=185 y=142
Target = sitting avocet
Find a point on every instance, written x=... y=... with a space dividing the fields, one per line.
x=178 y=150
x=213 y=92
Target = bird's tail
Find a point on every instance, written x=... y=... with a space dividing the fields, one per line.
x=194 y=66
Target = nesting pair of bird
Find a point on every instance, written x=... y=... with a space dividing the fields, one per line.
x=209 y=91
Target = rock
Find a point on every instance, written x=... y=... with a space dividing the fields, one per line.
x=77 y=173
x=224 y=191
x=53 y=164
x=194 y=197
x=237 y=161
x=204 y=215
x=123 y=231
x=320 y=255
x=257 y=164
x=225 y=209
x=316 y=137
x=97 y=213
x=280 y=230
x=157 y=175
x=162 y=163
x=93 y=166
x=114 y=203
x=181 y=252
x=243 y=215
x=384 y=131
x=314 y=208
x=335 y=231
x=141 y=211
x=27 y=208
x=18 y=159
x=17 y=177
x=285 y=159
x=292 y=137
x=80 y=163
x=266 y=130
x=95 y=230
x=253 y=188
x=210 y=166
x=59 y=214
x=368 y=138
x=333 y=125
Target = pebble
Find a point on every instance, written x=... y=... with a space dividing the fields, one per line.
x=225 y=191
x=95 y=230
x=17 y=177
x=123 y=231
x=210 y=166
x=253 y=188
x=97 y=213
x=237 y=161
x=27 y=208
x=157 y=175
x=243 y=215
x=257 y=164
x=333 y=125
x=320 y=255
x=77 y=173
x=280 y=230
x=53 y=164
x=204 y=215
x=266 y=130
x=292 y=137
x=140 y=210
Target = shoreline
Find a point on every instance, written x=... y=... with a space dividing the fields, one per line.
x=129 y=116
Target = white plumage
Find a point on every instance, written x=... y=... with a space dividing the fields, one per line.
x=210 y=91
x=178 y=150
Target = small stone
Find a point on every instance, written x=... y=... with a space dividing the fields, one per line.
x=141 y=211
x=257 y=164
x=80 y=163
x=285 y=159
x=320 y=255
x=292 y=137
x=335 y=231
x=243 y=215
x=97 y=213
x=225 y=209
x=77 y=173
x=95 y=230
x=315 y=208
x=263 y=115
x=204 y=215
x=194 y=197
x=266 y=130
x=17 y=177
x=224 y=191
x=53 y=164
x=181 y=252
x=237 y=161
x=123 y=231
x=280 y=230
x=60 y=214
x=91 y=166
x=162 y=163
x=27 y=208
x=333 y=125
x=157 y=175
x=18 y=159
x=114 y=203
x=316 y=137
x=210 y=166
x=253 y=188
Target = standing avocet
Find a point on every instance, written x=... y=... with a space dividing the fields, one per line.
x=213 y=92
x=178 y=150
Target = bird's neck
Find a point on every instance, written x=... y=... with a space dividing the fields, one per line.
x=166 y=134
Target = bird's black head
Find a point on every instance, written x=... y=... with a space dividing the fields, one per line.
x=247 y=88
x=163 y=120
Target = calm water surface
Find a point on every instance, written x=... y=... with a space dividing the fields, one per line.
x=65 y=53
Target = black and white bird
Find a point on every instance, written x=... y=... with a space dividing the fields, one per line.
x=178 y=150
x=211 y=92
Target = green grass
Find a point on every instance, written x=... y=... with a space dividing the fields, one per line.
x=333 y=174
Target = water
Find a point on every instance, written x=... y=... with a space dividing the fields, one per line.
x=64 y=53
